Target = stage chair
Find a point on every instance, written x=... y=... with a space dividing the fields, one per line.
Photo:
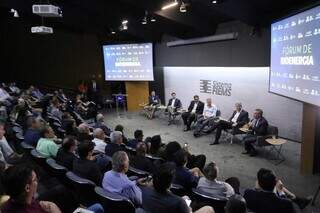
x=114 y=203
x=216 y=202
x=82 y=188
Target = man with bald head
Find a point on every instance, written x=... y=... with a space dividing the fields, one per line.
x=99 y=140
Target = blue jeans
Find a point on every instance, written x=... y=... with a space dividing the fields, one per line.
x=96 y=208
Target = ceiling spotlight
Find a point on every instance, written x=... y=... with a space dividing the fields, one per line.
x=15 y=13
x=153 y=19
x=145 y=18
x=183 y=7
x=112 y=31
x=214 y=2
x=124 y=21
x=217 y=1
x=170 y=5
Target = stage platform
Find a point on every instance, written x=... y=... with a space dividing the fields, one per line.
x=228 y=156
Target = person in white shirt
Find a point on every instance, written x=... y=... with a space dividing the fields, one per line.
x=209 y=183
x=207 y=118
x=237 y=120
x=98 y=140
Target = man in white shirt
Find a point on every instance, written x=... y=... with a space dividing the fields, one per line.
x=98 y=140
x=209 y=113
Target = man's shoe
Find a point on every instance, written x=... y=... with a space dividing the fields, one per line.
x=186 y=129
x=214 y=143
x=245 y=153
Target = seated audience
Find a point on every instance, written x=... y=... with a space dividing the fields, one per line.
x=209 y=183
x=101 y=124
x=120 y=128
x=156 y=148
x=35 y=92
x=46 y=145
x=263 y=199
x=140 y=161
x=55 y=109
x=33 y=133
x=174 y=104
x=20 y=112
x=65 y=155
x=238 y=119
x=138 y=137
x=195 y=108
x=116 y=180
x=85 y=166
x=7 y=155
x=159 y=199
x=99 y=140
x=235 y=183
x=5 y=98
x=236 y=204
x=188 y=178
x=115 y=145
x=207 y=118
x=193 y=160
x=21 y=183
x=84 y=133
x=258 y=127
x=14 y=89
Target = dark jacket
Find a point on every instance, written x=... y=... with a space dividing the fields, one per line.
x=177 y=103
x=261 y=128
x=267 y=202
x=87 y=169
x=242 y=119
x=65 y=158
x=142 y=163
x=185 y=178
x=199 y=109
x=112 y=148
x=154 y=100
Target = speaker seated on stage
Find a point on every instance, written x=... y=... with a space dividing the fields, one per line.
x=207 y=118
x=238 y=119
x=154 y=102
x=173 y=106
x=195 y=108
x=258 y=126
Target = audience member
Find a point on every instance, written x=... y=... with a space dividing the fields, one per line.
x=159 y=199
x=101 y=124
x=211 y=185
x=138 y=137
x=55 y=109
x=115 y=145
x=46 y=145
x=120 y=128
x=21 y=185
x=99 y=140
x=7 y=155
x=5 y=98
x=33 y=133
x=187 y=178
x=156 y=148
x=236 y=204
x=84 y=133
x=65 y=155
x=140 y=161
x=116 y=180
x=85 y=166
x=235 y=183
x=263 y=199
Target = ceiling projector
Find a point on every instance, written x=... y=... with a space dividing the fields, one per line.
x=46 y=10
x=41 y=30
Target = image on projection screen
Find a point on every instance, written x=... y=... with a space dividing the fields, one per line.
x=295 y=57
x=128 y=62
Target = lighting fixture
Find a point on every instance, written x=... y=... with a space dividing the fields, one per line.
x=124 y=21
x=145 y=18
x=153 y=19
x=183 y=7
x=15 y=13
x=170 y=5
x=214 y=2
x=112 y=31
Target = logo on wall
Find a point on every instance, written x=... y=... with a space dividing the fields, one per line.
x=215 y=87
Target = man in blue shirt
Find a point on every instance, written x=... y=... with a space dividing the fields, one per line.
x=116 y=180
x=32 y=135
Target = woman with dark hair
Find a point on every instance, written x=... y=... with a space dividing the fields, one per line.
x=156 y=148
x=120 y=128
x=66 y=155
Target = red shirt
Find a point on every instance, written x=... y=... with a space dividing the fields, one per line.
x=12 y=206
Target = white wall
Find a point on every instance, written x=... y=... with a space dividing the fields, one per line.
x=249 y=86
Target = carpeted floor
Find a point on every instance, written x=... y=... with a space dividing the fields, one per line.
x=228 y=156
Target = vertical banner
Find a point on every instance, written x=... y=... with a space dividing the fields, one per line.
x=228 y=85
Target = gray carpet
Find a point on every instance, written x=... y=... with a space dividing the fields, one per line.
x=228 y=156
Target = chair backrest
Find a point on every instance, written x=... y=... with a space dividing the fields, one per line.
x=130 y=150
x=17 y=129
x=38 y=158
x=114 y=203
x=218 y=113
x=137 y=172
x=152 y=158
x=83 y=189
x=26 y=147
x=216 y=202
x=178 y=190
x=56 y=169
x=272 y=130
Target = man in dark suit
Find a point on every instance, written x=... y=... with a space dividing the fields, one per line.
x=195 y=108
x=239 y=118
x=173 y=105
x=258 y=126
x=263 y=199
